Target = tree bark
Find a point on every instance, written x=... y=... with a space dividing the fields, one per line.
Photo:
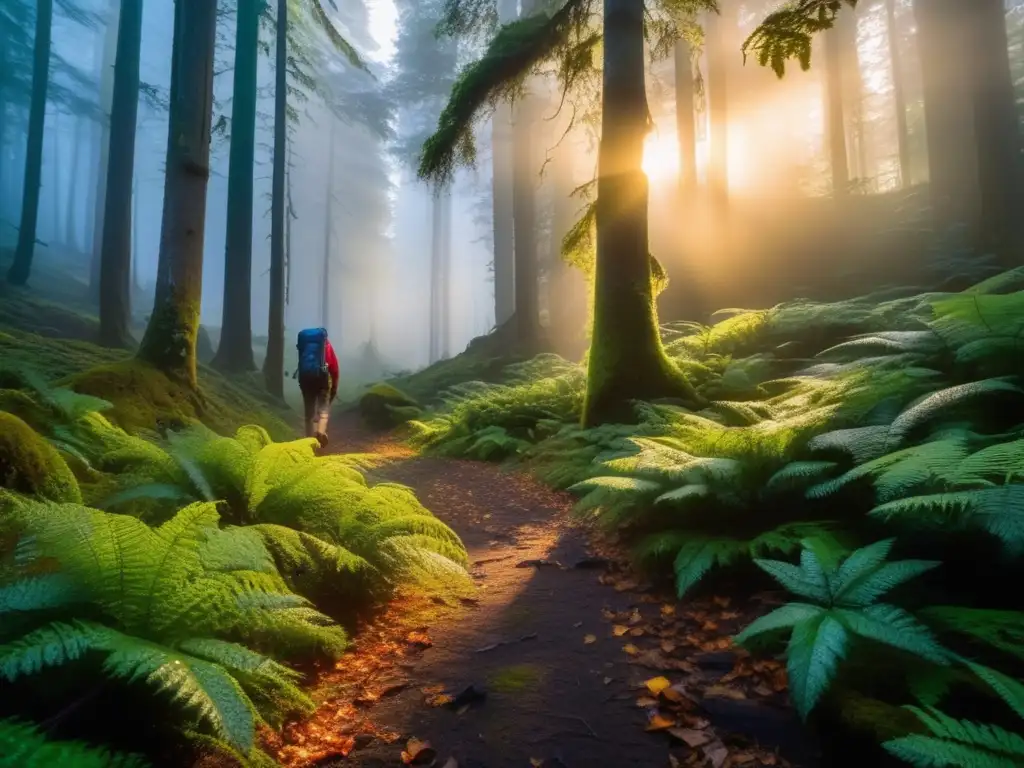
x=436 y=255
x=686 y=132
x=234 y=353
x=627 y=360
x=116 y=255
x=835 y=121
x=273 y=365
x=718 y=109
x=501 y=197
x=106 y=78
x=170 y=340
x=953 y=172
x=997 y=132
x=71 y=219
x=21 y=268
x=898 y=92
x=325 y=279
x=524 y=221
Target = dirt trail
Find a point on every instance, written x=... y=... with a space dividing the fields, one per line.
x=560 y=642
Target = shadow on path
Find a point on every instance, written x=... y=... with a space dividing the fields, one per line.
x=540 y=640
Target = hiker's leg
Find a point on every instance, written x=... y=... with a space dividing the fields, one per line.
x=309 y=408
x=323 y=406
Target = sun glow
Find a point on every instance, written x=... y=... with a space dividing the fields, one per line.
x=661 y=156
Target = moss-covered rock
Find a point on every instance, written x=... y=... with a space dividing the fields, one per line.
x=30 y=465
x=23 y=405
x=383 y=406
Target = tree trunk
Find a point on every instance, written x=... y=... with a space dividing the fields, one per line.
x=170 y=339
x=106 y=78
x=718 y=109
x=686 y=133
x=116 y=255
x=55 y=165
x=835 y=121
x=136 y=282
x=501 y=196
x=997 y=132
x=289 y=217
x=325 y=279
x=524 y=221
x=445 y=320
x=21 y=268
x=898 y=92
x=436 y=237
x=3 y=129
x=273 y=365
x=627 y=360
x=71 y=219
x=953 y=172
x=234 y=352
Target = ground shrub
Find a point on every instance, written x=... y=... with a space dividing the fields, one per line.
x=384 y=406
x=30 y=465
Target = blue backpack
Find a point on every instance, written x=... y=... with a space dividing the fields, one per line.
x=312 y=346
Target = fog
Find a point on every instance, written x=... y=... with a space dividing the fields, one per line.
x=365 y=222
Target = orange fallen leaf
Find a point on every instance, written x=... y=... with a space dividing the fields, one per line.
x=677 y=694
x=637 y=632
x=417 y=752
x=635 y=617
x=657 y=684
x=618 y=630
x=722 y=602
x=588 y=639
x=646 y=702
x=659 y=722
x=421 y=639
x=668 y=610
x=667 y=647
x=631 y=649
x=439 y=700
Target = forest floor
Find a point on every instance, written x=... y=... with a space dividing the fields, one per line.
x=562 y=658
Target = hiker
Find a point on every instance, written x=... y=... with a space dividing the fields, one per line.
x=318 y=379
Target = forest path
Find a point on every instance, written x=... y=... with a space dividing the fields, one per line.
x=560 y=643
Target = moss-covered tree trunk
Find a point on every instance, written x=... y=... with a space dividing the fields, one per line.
x=22 y=266
x=235 y=350
x=116 y=266
x=273 y=365
x=170 y=339
x=627 y=360
x=899 y=97
x=997 y=132
x=686 y=129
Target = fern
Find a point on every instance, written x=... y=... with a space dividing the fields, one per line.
x=22 y=746
x=957 y=744
x=842 y=605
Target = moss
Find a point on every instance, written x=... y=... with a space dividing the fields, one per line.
x=30 y=465
x=146 y=399
x=384 y=406
x=520 y=677
x=171 y=336
x=24 y=406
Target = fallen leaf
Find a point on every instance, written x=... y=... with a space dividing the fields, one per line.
x=418 y=752
x=677 y=694
x=618 y=630
x=631 y=649
x=690 y=737
x=607 y=680
x=420 y=639
x=673 y=762
x=637 y=632
x=439 y=700
x=722 y=602
x=716 y=753
x=667 y=647
x=646 y=702
x=668 y=610
x=742 y=758
x=657 y=684
x=723 y=691
x=588 y=639
x=577 y=625
x=608 y=613
x=536 y=762
x=635 y=617
x=432 y=689
x=659 y=722
x=710 y=626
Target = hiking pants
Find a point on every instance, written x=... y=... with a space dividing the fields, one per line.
x=317 y=405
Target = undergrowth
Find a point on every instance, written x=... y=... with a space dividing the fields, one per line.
x=830 y=426
x=180 y=571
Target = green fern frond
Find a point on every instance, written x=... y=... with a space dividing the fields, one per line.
x=23 y=746
x=957 y=744
x=1003 y=630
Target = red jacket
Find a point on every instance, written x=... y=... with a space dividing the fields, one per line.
x=332 y=366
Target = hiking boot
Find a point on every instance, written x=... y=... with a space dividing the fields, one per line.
x=322 y=439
